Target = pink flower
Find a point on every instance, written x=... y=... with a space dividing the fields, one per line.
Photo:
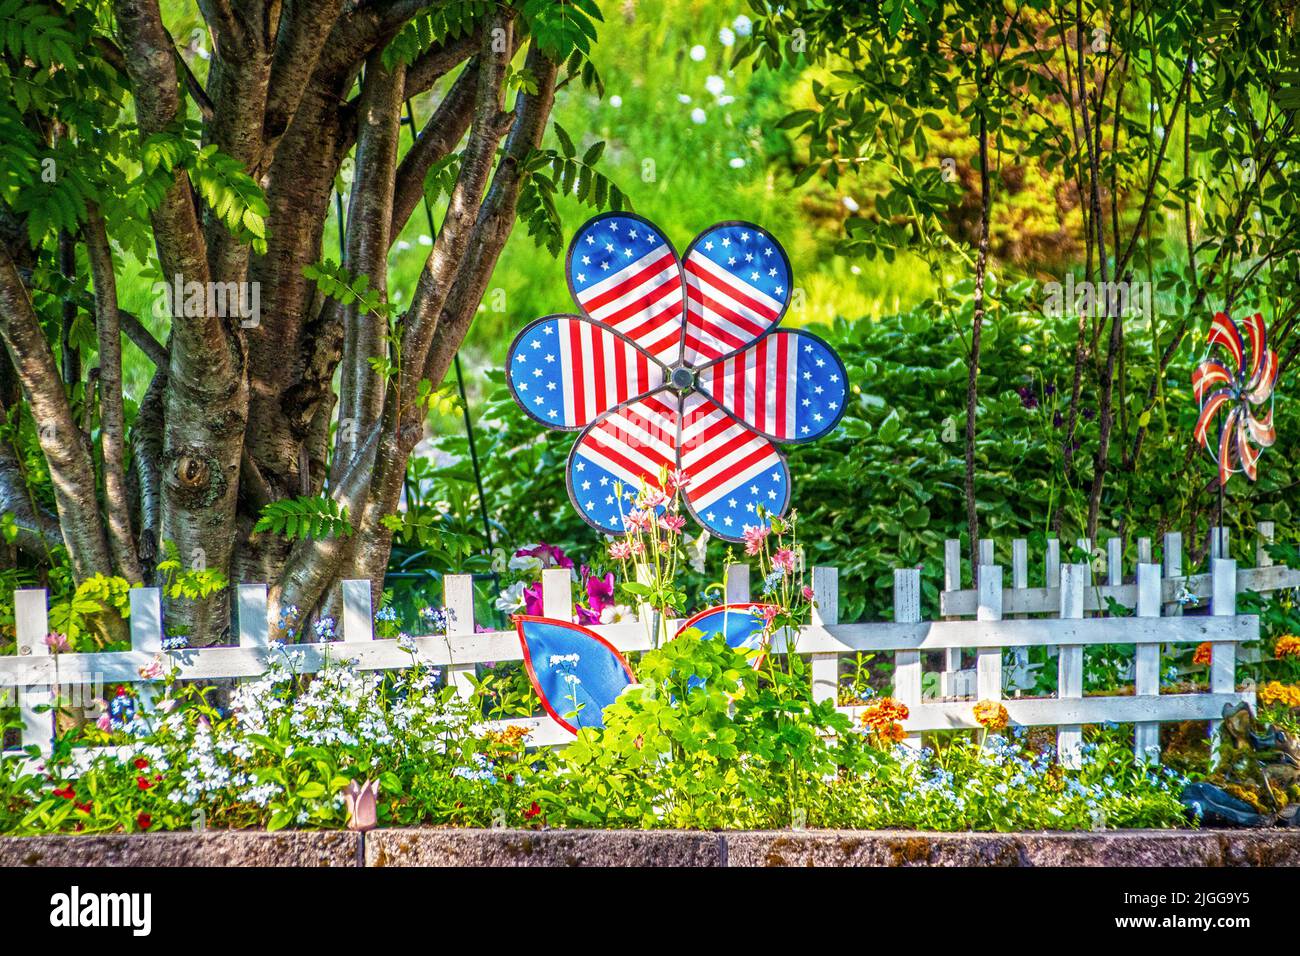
x=784 y=560
x=533 y=599
x=677 y=481
x=57 y=642
x=638 y=520
x=620 y=550
x=672 y=523
x=600 y=591
x=754 y=538
x=652 y=498
x=585 y=616
x=551 y=556
x=807 y=593
x=103 y=723
x=769 y=614
x=152 y=670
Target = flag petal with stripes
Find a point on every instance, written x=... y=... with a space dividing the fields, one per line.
x=789 y=386
x=624 y=273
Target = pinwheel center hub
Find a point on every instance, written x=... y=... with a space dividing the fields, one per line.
x=683 y=378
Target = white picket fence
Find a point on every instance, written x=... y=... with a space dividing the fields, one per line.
x=1068 y=594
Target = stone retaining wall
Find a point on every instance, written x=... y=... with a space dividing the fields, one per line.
x=462 y=847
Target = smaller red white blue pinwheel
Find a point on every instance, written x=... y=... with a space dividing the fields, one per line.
x=675 y=365
x=575 y=672
x=1239 y=390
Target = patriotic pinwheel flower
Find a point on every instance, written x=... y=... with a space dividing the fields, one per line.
x=1239 y=391
x=675 y=366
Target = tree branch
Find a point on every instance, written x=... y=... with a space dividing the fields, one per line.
x=60 y=439
x=112 y=427
x=361 y=388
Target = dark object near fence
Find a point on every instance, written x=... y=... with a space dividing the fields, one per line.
x=1259 y=762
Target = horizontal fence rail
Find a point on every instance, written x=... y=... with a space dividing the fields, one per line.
x=1000 y=644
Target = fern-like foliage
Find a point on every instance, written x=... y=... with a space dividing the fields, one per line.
x=305 y=517
x=449 y=20
x=563 y=27
x=347 y=289
x=230 y=193
x=552 y=173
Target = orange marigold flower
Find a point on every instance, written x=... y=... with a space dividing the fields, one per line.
x=1275 y=692
x=892 y=734
x=1287 y=646
x=991 y=714
x=880 y=713
x=1204 y=653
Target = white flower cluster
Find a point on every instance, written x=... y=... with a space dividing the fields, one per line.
x=340 y=707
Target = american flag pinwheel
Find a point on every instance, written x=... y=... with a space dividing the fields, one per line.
x=1238 y=390
x=676 y=365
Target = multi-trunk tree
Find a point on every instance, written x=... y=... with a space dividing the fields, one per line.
x=220 y=171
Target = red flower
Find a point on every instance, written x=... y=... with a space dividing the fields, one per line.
x=67 y=793
x=532 y=811
x=141 y=763
x=86 y=807
x=144 y=821
x=143 y=783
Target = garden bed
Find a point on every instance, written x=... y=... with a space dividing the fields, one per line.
x=739 y=848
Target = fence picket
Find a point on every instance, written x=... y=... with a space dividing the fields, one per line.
x=907 y=664
x=357 y=623
x=1114 y=561
x=1223 y=656
x=1173 y=567
x=253 y=630
x=1146 y=735
x=826 y=613
x=458 y=600
x=951 y=582
x=32 y=623
x=988 y=660
x=146 y=635
x=1069 y=738
x=736 y=583
x=1265 y=541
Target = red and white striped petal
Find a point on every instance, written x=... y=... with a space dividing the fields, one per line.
x=1257 y=339
x=737 y=287
x=1223 y=331
x=1261 y=428
x=790 y=386
x=731 y=470
x=1227 y=442
x=630 y=447
x=1212 y=406
x=1208 y=375
x=625 y=274
x=1260 y=387
x=566 y=370
x=1245 y=450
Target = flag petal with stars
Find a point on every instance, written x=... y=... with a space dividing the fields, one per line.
x=623 y=273
x=789 y=386
x=732 y=469
x=565 y=370
x=737 y=288
x=631 y=446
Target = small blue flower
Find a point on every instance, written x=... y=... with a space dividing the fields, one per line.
x=324 y=629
